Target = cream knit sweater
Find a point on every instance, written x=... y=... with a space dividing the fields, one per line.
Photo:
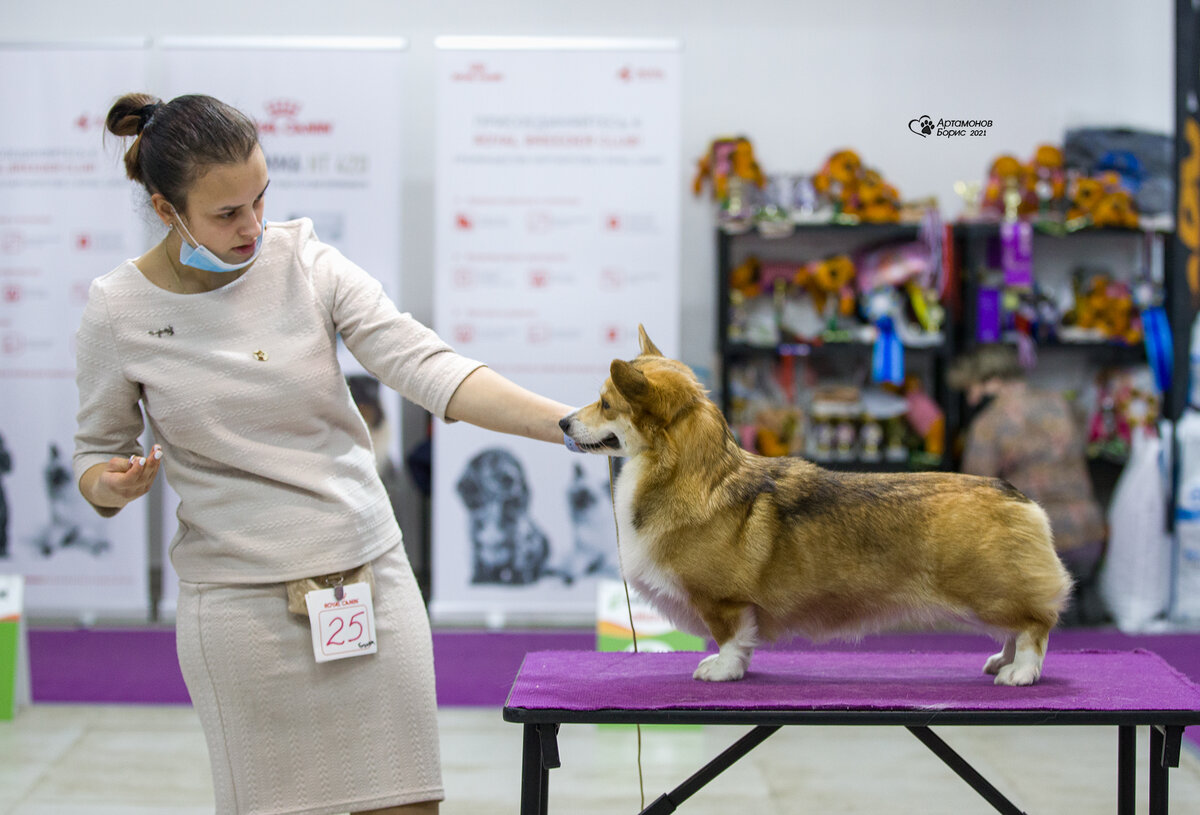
x=242 y=388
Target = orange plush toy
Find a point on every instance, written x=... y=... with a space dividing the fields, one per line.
x=1106 y=307
x=856 y=190
x=832 y=277
x=1085 y=195
x=838 y=179
x=1104 y=202
x=744 y=277
x=727 y=158
x=878 y=203
x=1116 y=210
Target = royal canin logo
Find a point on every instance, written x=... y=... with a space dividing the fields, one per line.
x=477 y=72
x=632 y=73
x=282 y=108
x=282 y=120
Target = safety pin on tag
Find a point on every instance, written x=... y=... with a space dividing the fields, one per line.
x=335 y=583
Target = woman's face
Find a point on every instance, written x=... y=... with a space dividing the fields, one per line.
x=225 y=207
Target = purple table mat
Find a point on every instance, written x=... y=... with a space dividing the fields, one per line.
x=812 y=680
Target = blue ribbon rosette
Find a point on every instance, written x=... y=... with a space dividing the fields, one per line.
x=1156 y=333
x=887 y=357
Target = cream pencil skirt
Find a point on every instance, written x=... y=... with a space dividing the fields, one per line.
x=289 y=735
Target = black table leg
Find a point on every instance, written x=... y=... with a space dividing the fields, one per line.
x=964 y=770
x=669 y=801
x=1126 y=769
x=1166 y=741
x=1158 y=774
x=539 y=756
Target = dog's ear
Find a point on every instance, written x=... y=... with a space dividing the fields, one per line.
x=646 y=396
x=628 y=380
x=649 y=349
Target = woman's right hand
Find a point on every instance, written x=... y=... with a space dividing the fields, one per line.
x=114 y=484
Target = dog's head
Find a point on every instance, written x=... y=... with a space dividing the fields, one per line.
x=494 y=477
x=639 y=400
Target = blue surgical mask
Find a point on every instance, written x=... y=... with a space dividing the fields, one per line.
x=201 y=257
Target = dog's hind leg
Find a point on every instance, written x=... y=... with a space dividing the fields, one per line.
x=1026 y=666
x=1005 y=657
x=735 y=628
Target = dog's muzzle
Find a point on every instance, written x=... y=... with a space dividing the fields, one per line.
x=609 y=442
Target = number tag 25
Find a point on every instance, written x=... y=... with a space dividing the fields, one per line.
x=342 y=627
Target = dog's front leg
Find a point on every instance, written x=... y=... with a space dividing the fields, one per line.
x=735 y=628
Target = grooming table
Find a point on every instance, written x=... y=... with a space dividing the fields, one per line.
x=914 y=690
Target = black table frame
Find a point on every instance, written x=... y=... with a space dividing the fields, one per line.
x=541 y=726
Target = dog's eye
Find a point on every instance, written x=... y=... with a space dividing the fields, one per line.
x=604 y=404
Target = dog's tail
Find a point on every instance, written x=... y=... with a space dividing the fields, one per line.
x=1047 y=580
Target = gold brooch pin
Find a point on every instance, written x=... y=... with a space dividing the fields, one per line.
x=261 y=356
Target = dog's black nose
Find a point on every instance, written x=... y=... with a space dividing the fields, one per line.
x=564 y=423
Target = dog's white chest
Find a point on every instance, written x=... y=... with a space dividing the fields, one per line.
x=636 y=548
x=642 y=566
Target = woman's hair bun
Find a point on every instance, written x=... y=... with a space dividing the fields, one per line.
x=175 y=141
x=129 y=114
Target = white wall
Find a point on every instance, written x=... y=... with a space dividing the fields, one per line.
x=800 y=78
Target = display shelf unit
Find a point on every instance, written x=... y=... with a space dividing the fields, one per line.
x=811 y=242
x=971 y=245
x=973 y=242
x=975 y=248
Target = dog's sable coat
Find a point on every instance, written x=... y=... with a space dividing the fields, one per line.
x=748 y=548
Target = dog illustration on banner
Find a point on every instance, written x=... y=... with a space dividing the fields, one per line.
x=746 y=548
x=71 y=522
x=592 y=531
x=508 y=546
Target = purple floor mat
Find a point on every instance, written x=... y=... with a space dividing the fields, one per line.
x=475 y=668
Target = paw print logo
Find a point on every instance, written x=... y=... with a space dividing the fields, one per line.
x=922 y=126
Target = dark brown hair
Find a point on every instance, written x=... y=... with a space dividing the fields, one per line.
x=175 y=142
x=986 y=362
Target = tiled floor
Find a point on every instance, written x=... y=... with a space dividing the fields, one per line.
x=75 y=760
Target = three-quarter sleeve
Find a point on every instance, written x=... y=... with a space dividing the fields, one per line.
x=110 y=419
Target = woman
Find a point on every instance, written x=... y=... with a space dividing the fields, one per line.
x=223 y=336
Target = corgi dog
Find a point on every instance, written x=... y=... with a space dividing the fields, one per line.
x=747 y=549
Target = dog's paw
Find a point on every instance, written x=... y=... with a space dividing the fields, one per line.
x=1018 y=674
x=996 y=662
x=715 y=669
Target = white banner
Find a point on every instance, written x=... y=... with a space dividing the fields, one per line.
x=329 y=112
x=557 y=211
x=67 y=215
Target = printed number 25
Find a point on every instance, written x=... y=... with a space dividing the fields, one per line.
x=341 y=623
